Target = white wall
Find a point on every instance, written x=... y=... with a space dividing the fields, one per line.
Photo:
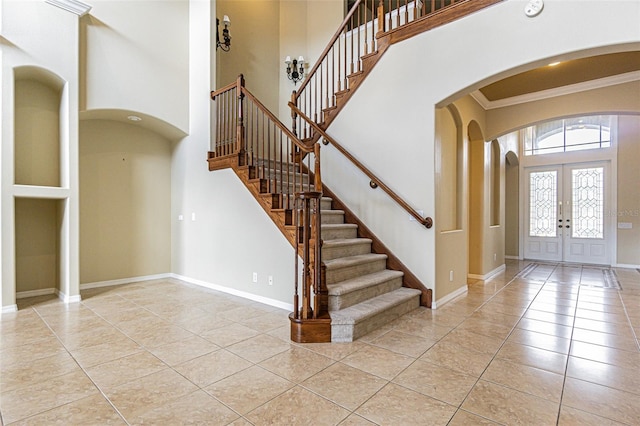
x=137 y=58
x=231 y=237
x=389 y=123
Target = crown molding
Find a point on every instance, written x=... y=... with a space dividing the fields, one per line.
x=74 y=6
x=560 y=91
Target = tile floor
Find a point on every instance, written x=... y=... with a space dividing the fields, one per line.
x=552 y=346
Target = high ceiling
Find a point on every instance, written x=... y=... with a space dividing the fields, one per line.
x=563 y=74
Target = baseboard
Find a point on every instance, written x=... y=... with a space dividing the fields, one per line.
x=488 y=275
x=9 y=308
x=449 y=297
x=513 y=257
x=121 y=281
x=233 y=291
x=67 y=299
x=35 y=293
x=626 y=266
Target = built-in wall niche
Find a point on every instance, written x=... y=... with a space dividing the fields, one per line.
x=38 y=225
x=37 y=135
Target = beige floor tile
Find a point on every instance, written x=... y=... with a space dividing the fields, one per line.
x=297 y=364
x=267 y=322
x=572 y=417
x=457 y=357
x=509 y=406
x=259 y=348
x=403 y=343
x=619 y=357
x=546 y=305
x=533 y=357
x=141 y=395
x=422 y=328
x=93 y=410
x=226 y=336
x=486 y=328
x=196 y=408
x=606 y=339
x=161 y=334
x=249 y=389
x=335 y=351
x=565 y=320
x=27 y=373
x=540 y=383
x=378 y=361
x=184 y=350
x=435 y=381
x=620 y=318
x=603 y=401
x=346 y=386
x=126 y=369
x=474 y=341
x=624 y=379
x=464 y=418
x=45 y=395
x=90 y=356
x=298 y=406
x=29 y=353
x=355 y=420
x=604 y=327
x=540 y=340
x=395 y=405
x=91 y=337
x=545 y=327
x=212 y=367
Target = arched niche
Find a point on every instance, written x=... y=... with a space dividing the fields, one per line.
x=38 y=112
x=476 y=201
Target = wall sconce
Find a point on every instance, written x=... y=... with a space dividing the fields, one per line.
x=226 y=44
x=295 y=69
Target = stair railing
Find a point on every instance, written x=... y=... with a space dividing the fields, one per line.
x=375 y=182
x=341 y=61
x=285 y=169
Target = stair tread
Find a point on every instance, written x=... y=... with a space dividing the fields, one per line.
x=338 y=225
x=343 y=262
x=345 y=242
x=332 y=211
x=374 y=306
x=364 y=281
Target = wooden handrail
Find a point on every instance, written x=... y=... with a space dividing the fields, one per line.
x=427 y=221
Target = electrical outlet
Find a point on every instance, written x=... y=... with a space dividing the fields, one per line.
x=255 y=277
x=495 y=257
x=270 y=279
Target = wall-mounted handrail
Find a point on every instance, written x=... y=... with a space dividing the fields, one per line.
x=426 y=221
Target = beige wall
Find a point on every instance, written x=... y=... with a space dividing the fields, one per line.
x=628 y=210
x=37 y=244
x=37 y=133
x=125 y=191
x=255 y=42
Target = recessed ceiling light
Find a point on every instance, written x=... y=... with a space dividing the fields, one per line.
x=134 y=118
x=553 y=64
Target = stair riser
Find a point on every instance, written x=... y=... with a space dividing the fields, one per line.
x=346 y=273
x=351 y=332
x=330 y=253
x=345 y=300
x=332 y=218
x=335 y=234
x=325 y=204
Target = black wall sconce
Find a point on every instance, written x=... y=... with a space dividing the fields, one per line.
x=295 y=68
x=226 y=43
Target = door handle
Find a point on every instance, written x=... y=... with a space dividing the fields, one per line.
x=567 y=226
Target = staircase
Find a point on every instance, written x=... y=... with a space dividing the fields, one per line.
x=351 y=283
x=363 y=294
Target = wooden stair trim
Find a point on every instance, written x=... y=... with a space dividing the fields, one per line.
x=393 y=262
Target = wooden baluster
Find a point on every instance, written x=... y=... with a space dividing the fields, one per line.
x=406 y=12
x=381 y=17
x=344 y=64
x=359 y=67
x=240 y=135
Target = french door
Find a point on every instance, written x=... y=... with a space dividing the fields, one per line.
x=565 y=213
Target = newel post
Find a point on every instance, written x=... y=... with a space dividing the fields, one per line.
x=240 y=124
